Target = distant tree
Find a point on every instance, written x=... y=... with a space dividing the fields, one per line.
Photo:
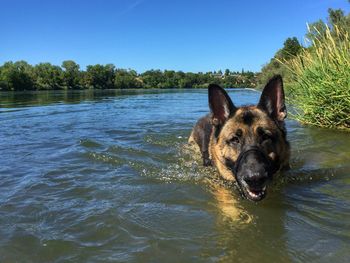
x=291 y=48
x=71 y=74
x=3 y=83
x=337 y=19
x=316 y=29
x=16 y=76
x=170 y=79
x=153 y=79
x=47 y=76
x=100 y=76
x=125 y=79
x=336 y=16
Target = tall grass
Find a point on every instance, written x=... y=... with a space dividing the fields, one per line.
x=320 y=87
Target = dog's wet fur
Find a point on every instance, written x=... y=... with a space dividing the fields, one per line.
x=246 y=144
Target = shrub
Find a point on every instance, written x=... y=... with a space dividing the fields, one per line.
x=320 y=86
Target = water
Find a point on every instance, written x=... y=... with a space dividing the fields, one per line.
x=107 y=177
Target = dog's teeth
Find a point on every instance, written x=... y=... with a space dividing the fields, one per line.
x=252 y=194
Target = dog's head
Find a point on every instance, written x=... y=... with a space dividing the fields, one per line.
x=249 y=143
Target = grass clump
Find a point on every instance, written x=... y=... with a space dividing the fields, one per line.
x=320 y=80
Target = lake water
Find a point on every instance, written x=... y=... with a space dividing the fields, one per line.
x=107 y=177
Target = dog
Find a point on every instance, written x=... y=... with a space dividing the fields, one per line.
x=246 y=144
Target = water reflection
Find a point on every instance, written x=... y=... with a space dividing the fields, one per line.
x=40 y=98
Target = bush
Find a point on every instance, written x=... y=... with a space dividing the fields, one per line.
x=320 y=87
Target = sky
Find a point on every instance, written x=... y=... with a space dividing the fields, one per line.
x=187 y=35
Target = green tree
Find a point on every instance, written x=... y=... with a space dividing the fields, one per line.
x=71 y=74
x=291 y=48
x=100 y=76
x=171 y=79
x=127 y=79
x=47 y=76
x=153 y=79
x=22 y=76
x=16 y=76
x=336 y=17
x=190 y=80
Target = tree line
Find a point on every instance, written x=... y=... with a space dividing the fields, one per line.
x=19 y=76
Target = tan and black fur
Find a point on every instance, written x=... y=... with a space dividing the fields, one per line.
x=246 y=144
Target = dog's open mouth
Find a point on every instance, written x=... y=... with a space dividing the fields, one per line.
x=254 y=194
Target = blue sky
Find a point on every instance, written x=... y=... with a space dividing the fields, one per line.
x=192 y=35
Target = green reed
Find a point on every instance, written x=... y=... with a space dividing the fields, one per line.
x=320 y=86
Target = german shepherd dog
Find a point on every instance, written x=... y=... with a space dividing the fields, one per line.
x=246 y=144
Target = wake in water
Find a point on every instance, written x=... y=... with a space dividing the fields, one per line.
x=169 y=159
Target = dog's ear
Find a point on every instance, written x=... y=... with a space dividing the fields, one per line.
x=272 y=99
x=220 y=104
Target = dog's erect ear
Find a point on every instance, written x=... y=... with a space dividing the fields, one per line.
x=220 y=104
x=272 y=99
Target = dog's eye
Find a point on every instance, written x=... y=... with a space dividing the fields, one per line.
x=233 y=141
x=266 y=136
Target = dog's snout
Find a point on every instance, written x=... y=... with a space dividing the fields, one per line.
x=257 y=179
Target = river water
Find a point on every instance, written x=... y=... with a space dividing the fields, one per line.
x=107 y=177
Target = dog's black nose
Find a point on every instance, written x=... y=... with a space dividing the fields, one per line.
x=256 y=180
